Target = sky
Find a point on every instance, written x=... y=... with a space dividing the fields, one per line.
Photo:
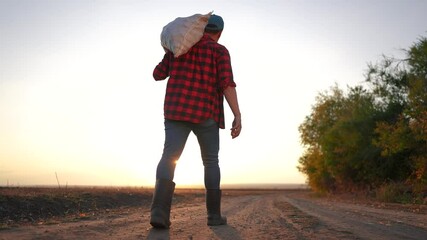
x=79 y=106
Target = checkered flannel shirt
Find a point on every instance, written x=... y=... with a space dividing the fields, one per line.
x=196 y=82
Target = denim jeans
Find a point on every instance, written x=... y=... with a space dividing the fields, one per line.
x=177 y=133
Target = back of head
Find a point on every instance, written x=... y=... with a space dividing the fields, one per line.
x=215 y=24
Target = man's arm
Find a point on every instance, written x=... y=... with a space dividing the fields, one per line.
x=231 y=97
x=161 y=71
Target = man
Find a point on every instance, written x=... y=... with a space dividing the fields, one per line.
x=198 y=82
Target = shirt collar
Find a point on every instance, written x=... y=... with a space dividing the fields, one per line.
x=207 y=37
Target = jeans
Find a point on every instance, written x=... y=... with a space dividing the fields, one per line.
x=207 y=134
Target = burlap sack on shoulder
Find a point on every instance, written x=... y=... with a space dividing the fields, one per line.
x=181 y=34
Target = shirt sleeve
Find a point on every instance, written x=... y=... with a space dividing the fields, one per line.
x=161 y=71
x=225 y=71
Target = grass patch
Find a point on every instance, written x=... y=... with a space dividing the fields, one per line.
x=399 y=193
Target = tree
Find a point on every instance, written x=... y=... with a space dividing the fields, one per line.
x=417 y=109
x=340 y=154
x=401 y=87
x=366 y=138
x=314 y=162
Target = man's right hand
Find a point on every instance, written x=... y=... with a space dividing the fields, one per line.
x=237 y=127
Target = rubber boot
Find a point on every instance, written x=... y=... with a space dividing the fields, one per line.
x=161 y=205
x=213 y=205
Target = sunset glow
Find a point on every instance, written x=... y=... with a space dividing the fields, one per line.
x=77 y=97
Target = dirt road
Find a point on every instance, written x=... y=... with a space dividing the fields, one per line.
x=269 y=215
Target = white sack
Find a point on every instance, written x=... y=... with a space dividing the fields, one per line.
x=181 y=34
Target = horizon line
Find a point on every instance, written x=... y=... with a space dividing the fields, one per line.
x=195 y=186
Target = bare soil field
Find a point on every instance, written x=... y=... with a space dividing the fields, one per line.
x=123 y=213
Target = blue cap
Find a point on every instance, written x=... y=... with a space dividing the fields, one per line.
x=215 y=23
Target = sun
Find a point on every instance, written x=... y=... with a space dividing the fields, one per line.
x=189 y=169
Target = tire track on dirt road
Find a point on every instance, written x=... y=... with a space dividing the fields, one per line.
x=363 y=221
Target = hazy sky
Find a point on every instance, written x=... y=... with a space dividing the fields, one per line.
x=77 y=95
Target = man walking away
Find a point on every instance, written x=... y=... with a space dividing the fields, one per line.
x=198 y=82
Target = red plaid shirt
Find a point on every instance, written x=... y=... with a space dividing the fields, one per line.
x=196 y=82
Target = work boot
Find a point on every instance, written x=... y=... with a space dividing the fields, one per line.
x=213 y=205
x=161 y=205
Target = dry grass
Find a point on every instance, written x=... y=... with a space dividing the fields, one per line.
x=35 y=204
